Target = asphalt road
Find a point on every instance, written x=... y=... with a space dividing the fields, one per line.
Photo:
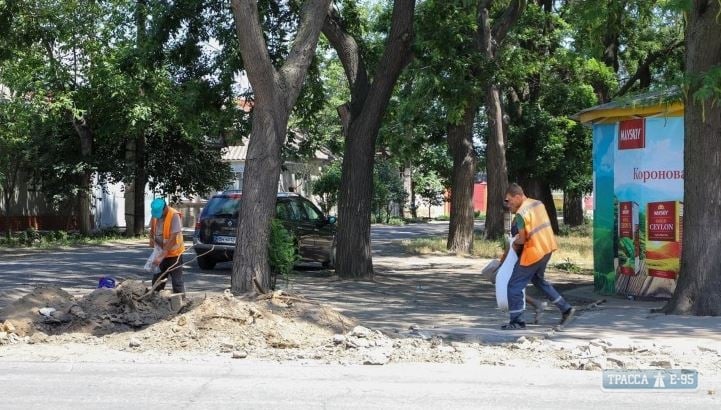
x=262 y=385
x=80 y=268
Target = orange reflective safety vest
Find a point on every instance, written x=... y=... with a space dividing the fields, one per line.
x=179 y=246
x=540 y=240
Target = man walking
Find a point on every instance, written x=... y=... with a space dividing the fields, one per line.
x=166 y=232
x=535 y=242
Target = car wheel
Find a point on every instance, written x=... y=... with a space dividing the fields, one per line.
x=205 y=263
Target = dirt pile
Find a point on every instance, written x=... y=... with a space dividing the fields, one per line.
x=53 y=311
x=277 y=326
x=283 y=327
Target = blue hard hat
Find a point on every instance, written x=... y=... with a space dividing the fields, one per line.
x=156 y=207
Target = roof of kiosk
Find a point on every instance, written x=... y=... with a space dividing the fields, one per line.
x=664 y=103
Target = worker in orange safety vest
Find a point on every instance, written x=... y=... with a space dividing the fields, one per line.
x=166 y=233
x=535 y=242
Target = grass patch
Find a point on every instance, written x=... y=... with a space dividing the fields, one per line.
x=482 y=248
x=574 y=249
x=418 y=220
x=32 y=238
x=574 y=254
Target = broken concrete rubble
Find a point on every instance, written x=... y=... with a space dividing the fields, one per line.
x=283 y=326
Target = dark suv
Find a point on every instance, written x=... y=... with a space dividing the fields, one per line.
x=218 y=223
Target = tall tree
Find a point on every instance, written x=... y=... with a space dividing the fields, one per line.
x=460 y=66
x=453 y=68
x=361 y=118
x=98 y=81
x=16 y=124
x=549 y=150
x=491 y=35
x=275 y=92
x=136 y=141
x=56 y=43
x=698 y=291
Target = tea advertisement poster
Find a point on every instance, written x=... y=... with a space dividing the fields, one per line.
x=639 y=226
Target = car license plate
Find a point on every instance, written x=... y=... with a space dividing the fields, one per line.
x=224 y=239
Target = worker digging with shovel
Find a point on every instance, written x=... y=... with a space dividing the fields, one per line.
x=166 y=233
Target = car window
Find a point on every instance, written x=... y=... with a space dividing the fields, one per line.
x=310 y=210
x=297 y=212
x=222 y=207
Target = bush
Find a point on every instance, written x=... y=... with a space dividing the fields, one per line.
x=416 y=220
x=112 y=232
x=29 y=237
x=568 y=266
x=32 y=238
x=60 y=236
x=443 y=218
x=396 y=221
x=282 y=250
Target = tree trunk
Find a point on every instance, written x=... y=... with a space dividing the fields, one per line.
x=550 y=204
x=367 y=107
x=7 y=201
x=260 y=185
x=496 y=167
x=413 y=208
x=353 y=252
x=540 y=190
x=460 y=144
x=135 y=147
x=489 y=37
x=129 y=193
x=276 y=92
x=6 y=212
x=407 y=187
x=84 y=196
x=135 y=188
x=573 y=209
x=12 y=172
x=85 y=224
x=141 y=177
x=698 y=290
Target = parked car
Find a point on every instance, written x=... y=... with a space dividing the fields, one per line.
x=218 y=223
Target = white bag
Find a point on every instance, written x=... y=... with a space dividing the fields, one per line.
x=491 y=270
x=503 y=275
x=150 y=265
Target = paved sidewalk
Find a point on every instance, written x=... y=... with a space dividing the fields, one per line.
x=446 y=296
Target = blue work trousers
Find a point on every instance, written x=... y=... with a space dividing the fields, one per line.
x=520 y=278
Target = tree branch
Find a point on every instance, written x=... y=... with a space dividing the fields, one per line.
x=396 y=55
x=261 y=72
x=502 y=25
x=488 y=36
x=646 y=64
x=349 y=55
x=296 y=65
